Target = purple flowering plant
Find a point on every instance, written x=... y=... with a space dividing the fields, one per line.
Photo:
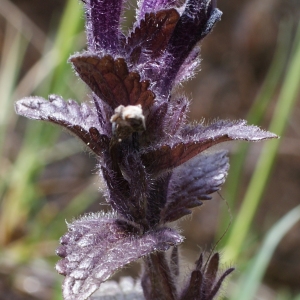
x=153 y=162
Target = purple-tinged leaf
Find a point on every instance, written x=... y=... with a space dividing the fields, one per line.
x=196 y=139
x=117 y=193
x=211 y=273
x=193 y=290
x=215 y=17
x=134 y=171
x=110 y=80
x=194 y=181
x=189 y=67
x=79 y=119
x=176 y=116
x=150 y=38
x=204 y=283
x=231 y=130
x=127 y=190
x=104 y=113
x=102 y=24
x=157 y=199
x=197 y=20
x=155 y=122
x=168 y=157
x=98 y=245
x=177 y=213
x=148 y=6
x=217 y=285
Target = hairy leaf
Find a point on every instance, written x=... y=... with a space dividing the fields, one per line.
x=194 y=181
x=211 y=273
x=98 y=245
x=148 y=6
x=197 y=19
x=155 y=122
x=135 y=173
x=110 y=80
x=204 y=282
x=176 y=116
x=189 y=67
x=81 y=120
x=151 y=37
x=157 y=199
x=196 y=139
x=193 y=290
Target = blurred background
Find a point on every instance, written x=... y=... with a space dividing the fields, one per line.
x=250 y=70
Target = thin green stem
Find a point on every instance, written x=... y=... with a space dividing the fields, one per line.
x=251 y=280
x=259 y=108
x=284 y=108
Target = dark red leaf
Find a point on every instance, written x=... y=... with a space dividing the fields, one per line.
x=151 y=37
x=194 y=181
x=110 y=80
x=196 y=139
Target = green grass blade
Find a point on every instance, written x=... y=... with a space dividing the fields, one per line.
x=64 y=43
x=21 y=195
x=13 y=51
x=284 y=108
x=22 y=23
x=259 y=108
x=254 y=275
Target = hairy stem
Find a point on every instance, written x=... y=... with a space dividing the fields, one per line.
x=158 y=281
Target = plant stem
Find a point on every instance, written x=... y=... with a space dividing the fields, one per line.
x=158 y=281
